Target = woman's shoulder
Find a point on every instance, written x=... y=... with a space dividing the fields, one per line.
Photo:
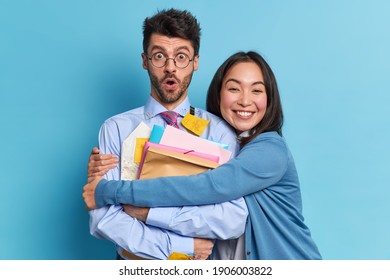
x=270 y=136
x=268 y=151
x=270 y=141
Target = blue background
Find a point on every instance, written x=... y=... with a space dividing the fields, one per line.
x=66 y=66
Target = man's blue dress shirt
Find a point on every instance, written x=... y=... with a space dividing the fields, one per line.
x=167 y=229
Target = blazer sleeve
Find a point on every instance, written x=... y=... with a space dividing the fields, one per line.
x=260 y=164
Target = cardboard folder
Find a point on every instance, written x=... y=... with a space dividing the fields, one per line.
x=159 y=162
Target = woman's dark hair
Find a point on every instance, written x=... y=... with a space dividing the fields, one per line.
x=273 y=118
x=172 y=23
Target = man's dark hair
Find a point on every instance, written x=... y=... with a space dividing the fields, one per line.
x=172 y=23
x=273 y=118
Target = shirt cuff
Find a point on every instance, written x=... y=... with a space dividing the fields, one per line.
x=159 y=217
x=104 y=195
x=182 y=244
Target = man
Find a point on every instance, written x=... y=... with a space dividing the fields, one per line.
x=171 y=54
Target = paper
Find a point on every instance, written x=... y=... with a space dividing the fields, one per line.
x=191 y=152
x=139 y=147
x=184 y=140
x=129 y=168
x=194 y=124
x=156 y=134
x=225 y=146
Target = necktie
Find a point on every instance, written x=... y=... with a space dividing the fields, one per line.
x=170 y=118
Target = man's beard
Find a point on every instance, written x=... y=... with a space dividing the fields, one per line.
x=169 y=96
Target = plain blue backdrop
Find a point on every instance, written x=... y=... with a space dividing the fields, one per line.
x=66 y=66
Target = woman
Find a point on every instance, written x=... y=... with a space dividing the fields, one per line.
x=244 y=92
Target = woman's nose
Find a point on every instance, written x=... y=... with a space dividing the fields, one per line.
x=244 y=99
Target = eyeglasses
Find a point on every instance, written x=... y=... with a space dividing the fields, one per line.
x=159 y=60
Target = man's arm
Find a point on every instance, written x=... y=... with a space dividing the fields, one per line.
x=174 y=243
x=145 y=241
x=217 y=221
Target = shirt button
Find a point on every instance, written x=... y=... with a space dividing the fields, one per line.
x=248 y=253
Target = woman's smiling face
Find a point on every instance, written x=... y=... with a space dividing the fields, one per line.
x=243 y=96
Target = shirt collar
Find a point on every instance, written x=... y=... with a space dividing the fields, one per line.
x=153 y=108
x=244 y=134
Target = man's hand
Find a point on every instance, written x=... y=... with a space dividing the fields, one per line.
x=140 y=213
x=98 y=164
x=202 y=248
x=89 y=193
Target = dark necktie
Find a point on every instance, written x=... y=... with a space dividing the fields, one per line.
x=170 y=118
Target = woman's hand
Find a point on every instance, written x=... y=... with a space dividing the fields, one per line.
x=89 y=193
x=98 y=164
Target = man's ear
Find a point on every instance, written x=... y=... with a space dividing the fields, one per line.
x=196 y=62
x=144 y=61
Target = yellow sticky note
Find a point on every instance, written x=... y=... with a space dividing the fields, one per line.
x=179 y=256
x=194 y=124
x=139 y=147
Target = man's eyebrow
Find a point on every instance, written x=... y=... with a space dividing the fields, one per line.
x=177 y=49
x=157 y=48
x=183 y=48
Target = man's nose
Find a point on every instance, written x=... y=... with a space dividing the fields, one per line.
x=170 y=66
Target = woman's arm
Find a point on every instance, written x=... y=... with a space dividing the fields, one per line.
x=260 y=164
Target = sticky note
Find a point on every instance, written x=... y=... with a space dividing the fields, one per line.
x=179 y=256
x=194 y=124
x=139 y=147
x=156 y=134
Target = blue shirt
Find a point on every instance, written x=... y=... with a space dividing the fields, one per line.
x=263 y=172
x=167 y=229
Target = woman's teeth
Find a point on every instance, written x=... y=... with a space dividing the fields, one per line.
x=244 y=114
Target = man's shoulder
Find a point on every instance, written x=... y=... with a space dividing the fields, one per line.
x=218 y=130
x=216 y=123
x=209 y=116
x=130 y=115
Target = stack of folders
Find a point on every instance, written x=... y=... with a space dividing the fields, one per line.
x=174 y=152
